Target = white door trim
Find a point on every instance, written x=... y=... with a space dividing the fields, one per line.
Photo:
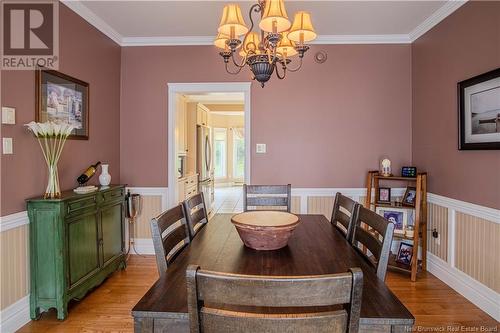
x=175 y=88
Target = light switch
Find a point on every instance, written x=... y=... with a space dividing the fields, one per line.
x=261 y=148
x=7 y=146
x=8 y=115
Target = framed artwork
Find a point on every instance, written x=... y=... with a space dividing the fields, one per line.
x=384 y=195
x=405 y=253
x=398 y=216
x=62 y=98
x=410 y=196
x=479 y=112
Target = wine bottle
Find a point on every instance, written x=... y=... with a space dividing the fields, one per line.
x=87 y=174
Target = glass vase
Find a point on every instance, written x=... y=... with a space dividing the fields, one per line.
x=53 y=191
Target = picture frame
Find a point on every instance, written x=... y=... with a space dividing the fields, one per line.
x=410 y=196
x=62 y=98
x=405 y=253
x=398 y=216
x=384 y=195
x=479 y=112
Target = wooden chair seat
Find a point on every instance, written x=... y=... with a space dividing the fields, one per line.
x=170 y=235
x=206 y=289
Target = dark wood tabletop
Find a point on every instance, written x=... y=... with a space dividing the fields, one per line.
x=316 y=247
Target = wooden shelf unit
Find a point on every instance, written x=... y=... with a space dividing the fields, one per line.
x=419 y=239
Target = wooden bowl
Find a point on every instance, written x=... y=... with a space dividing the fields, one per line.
x=265 y=230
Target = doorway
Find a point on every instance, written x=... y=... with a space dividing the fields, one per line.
x=209 y=136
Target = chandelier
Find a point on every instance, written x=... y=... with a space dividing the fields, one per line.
x=278 y=44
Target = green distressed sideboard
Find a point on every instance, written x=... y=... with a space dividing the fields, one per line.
x=75 y=243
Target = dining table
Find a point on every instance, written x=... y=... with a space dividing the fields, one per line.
x=316 y=247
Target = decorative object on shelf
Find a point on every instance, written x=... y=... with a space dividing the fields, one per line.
x=51 y=137
x=105 y=177
x=384 y=195
x=398 y=216
x=410 y=229
x=410 y=196
x=408 y=171
x=276 y=46
x=386 y=167
x=87 y=174
x=62 y=98
x=85 y=189
x=405 y=253
x=479 y=112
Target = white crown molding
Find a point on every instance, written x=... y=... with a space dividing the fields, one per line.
x=12 y=221
x=15 y=315
x=93 y=19
x=449 y=7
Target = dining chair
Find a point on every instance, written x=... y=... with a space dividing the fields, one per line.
x=170 y=235
x=343 y=214
x=196 y=213
x=212 y=294
x=267 y=196
x=377 y=238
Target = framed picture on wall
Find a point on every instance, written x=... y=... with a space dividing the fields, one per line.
x=479 y=112
x=62 y=98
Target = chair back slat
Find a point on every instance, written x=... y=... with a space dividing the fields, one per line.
x=196 y=213
x=324 y=322
x=211 y=288
x=377 y=238
x=170 y=235
x=267 y=197
x=343 y=214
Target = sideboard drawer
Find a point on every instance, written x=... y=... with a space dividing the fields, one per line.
x=113 y=195
x=76 y=206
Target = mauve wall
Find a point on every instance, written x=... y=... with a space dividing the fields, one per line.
x=87 y=54
x=464 y=45
x=324 y=126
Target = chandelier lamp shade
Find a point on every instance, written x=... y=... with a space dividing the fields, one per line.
x=273 y=49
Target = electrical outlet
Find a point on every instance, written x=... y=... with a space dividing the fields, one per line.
x=7 y=146
x=260 y=148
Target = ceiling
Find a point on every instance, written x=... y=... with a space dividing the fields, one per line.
x=132 y=23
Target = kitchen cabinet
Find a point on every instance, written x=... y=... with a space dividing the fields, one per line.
x=75 y=243
x=187 y=187
x=202 y=115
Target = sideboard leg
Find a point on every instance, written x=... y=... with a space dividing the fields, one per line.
x=62 y=312
x=34 y=312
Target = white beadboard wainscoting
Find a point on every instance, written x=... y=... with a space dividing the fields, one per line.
x=463 y=256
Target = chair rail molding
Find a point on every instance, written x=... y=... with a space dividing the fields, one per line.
x=15 y=315
x=12 y=221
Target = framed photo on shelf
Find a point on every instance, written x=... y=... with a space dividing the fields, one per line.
x=62 y=98
x=410 y=196
x=398 y=216
x=384 y=195
x=479 y=112
x=405 y=253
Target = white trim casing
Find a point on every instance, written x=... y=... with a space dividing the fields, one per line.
x=486 y=213
x=483 y=297
x=447 y=9
x=12 y=221
x=185 y=88
x=15 y=315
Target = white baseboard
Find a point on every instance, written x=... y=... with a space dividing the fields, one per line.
x=15 y=315
x=483 y=297
x=143 y=246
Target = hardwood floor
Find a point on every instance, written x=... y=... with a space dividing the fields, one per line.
x=107 y=308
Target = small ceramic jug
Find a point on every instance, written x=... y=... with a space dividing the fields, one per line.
x=104 y=177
